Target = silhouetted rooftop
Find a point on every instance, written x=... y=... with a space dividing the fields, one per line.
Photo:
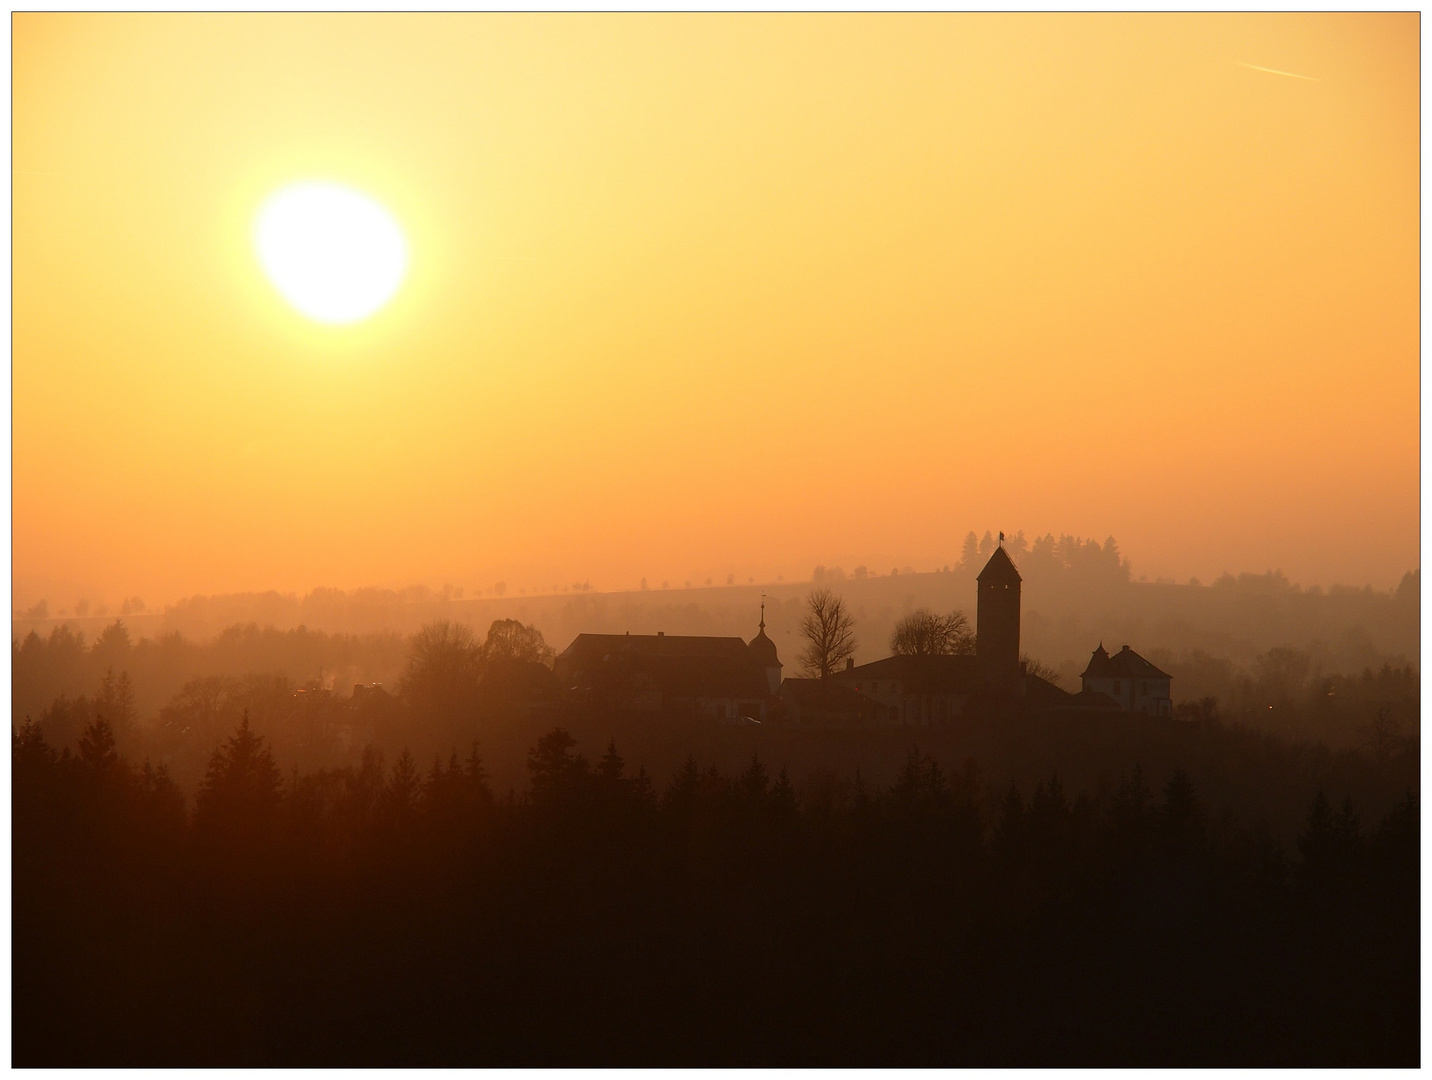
x=1040 y=692
x=1124 y=664
x=999 y=568
x=923 y=674
x=594 y=646
x=678 y=665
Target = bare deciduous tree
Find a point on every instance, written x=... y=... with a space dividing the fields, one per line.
x=442 y=664
x=923 y=633
x=829 y=632
x=508 y=639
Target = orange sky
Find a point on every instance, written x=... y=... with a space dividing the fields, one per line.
x=698 y=295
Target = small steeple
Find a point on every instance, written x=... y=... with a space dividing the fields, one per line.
x=1098 y=663
x=763 y=651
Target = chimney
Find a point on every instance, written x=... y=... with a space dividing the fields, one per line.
x=850 y=663
x=661 y=633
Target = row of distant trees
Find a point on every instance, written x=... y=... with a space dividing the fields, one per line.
x=1066 y=551
x=169 y=697
x=1072 y=554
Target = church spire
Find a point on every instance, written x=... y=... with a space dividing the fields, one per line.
x=763 y=651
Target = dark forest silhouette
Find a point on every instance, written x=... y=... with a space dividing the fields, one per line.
x=395 y=914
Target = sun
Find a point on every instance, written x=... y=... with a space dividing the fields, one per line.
x=333 y=252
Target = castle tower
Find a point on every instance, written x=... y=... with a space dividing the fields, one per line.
x=997 y=619
x=763 y=649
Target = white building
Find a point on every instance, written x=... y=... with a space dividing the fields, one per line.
x=1130 y=680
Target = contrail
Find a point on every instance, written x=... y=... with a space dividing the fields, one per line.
x=1275 y=71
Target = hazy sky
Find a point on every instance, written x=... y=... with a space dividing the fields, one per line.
x=698 y=295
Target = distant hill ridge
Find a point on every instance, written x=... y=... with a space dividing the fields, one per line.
x=1066 y=605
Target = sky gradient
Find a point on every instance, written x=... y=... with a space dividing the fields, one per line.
x=699 y=295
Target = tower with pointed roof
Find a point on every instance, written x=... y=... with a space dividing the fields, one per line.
x=997 y=618
x=763 y=649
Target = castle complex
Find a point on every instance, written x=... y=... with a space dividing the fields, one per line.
x=730 y=680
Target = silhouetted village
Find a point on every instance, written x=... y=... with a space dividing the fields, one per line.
x=671 y=849
x=732 y=681
x=939 y=674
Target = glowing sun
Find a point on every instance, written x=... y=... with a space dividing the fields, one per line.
x=334 y=253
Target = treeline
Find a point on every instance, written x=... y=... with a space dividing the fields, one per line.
x=1288 y=693
x=171 y=700
x=1076 y=591
x=398 y=914
x=442 y=682
x=64 y=664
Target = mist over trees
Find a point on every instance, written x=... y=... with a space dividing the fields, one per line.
x=1077 y=593
x=171 y=697
x=295 y=846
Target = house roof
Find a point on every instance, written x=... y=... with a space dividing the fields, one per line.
x=677 y=665
x=593 y=646
x=1124 y=664
x=922 y=674
x=1039 y=691
x=999 y=568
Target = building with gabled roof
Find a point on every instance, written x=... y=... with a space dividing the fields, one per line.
x=918 y=690
x=716 y=678
x=926 y=690
x=1130 y=681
